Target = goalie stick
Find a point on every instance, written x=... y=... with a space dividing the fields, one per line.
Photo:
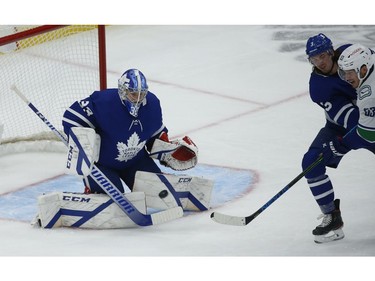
x=112 y=191
x=242 y=221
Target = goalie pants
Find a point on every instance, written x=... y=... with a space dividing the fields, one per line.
x=127 y=175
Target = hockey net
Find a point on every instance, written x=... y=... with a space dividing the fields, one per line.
x=53 y=66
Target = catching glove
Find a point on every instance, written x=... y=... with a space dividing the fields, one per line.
x=179 y=154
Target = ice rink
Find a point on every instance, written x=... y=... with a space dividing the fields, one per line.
x=241 y=93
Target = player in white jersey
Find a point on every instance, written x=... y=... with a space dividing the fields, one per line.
x=356 y=66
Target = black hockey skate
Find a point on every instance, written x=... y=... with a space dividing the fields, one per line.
x=331 y=227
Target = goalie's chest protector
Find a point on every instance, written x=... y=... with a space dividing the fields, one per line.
x=123 y=136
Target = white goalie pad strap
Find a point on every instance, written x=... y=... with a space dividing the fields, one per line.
x=179 y=155
x=165 y=191
x=83 y=150
x=94 y=211
x=49 y=210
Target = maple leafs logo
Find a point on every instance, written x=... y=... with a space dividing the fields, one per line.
x=130 y=149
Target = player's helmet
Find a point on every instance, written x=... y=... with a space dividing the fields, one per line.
x=353 y=58
x=132 y=88
x=318 y=44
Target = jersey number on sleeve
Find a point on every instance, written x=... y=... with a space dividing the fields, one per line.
x=326 y=105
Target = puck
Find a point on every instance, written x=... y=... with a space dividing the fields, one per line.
x=163 y=193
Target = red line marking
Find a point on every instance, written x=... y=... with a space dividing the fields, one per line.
x=31 y=184
x=262 y=106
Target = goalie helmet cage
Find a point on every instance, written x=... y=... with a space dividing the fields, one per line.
x=54 y=65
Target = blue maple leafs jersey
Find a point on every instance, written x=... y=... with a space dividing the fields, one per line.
x=123 y=137
x=336 y=96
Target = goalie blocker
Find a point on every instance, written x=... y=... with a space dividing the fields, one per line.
x=97 y=211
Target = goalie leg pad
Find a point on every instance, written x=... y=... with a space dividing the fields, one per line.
x=165 y=191
x=83 y=150
x=94 y=211
x=49 y=213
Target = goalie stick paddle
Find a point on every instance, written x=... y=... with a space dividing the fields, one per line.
x=242 y=221
x=112 y=191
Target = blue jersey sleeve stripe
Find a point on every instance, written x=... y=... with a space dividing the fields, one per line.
x=330 y=119
x=158 y=131
x=340 y=112
x=80 y=116
x=347 y=117
x=71 y=122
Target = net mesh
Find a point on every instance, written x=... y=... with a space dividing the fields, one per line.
x=52 y=70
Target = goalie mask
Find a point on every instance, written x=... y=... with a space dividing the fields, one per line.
x=132 y=89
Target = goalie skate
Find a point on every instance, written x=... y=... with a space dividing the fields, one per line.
x=333 y=235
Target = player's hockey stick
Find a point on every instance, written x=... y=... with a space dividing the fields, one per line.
x=242 y=221
x=112 y=191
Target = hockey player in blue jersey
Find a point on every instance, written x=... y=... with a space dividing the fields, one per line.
x=120 y=132
x=127 y=121
x=337 y=98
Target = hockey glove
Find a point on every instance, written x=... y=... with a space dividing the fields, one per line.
x=179 y=154
x=334 y=148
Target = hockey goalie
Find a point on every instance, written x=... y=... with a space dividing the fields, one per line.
x=121 y=132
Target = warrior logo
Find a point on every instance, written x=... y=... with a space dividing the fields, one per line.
x=131 y=149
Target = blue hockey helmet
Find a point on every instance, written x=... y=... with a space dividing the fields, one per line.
x=318 y=44
x=132 y=88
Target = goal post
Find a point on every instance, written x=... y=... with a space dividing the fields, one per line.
x=102 y=57
x=54 y=65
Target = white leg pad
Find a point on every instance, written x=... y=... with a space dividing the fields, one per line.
x=165 y=191
x=95 y=211
x=82 y=142
x=49 y=209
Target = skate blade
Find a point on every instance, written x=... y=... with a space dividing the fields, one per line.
x=333 y=235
